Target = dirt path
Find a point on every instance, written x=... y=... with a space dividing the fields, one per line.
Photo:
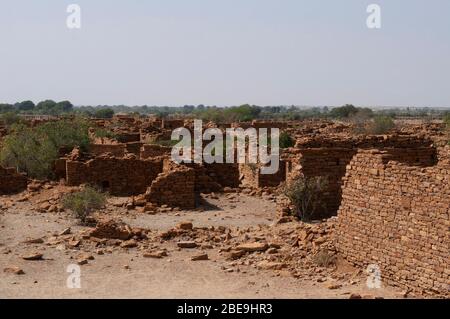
x=126 y=273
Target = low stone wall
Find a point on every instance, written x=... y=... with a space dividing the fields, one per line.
x=11 y=181
x=172 y=124
x=153 y=150
x=117 y=150
x=129 y=137
x=134 y=148
x=331 y=162
x=119 y=176
x=251 y=176
x=396 y=216
x=225 y=174
x=175 y=188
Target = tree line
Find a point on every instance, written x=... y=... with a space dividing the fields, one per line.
x=241 y=113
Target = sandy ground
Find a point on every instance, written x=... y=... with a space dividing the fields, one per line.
x=127 y=274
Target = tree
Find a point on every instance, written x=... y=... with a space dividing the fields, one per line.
x=10 y=118
x=104 y=113
x=34 y=150
x=6 y=108
x=24 y=106
x=447 y=120
x=50 y=107
x=64 y=106
x=46 y=106
x=343 y=111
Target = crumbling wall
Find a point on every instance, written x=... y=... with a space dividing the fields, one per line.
x=128 y=137
x=273 y=180
x=225 y=174
x=117 y=150
x=134 y=148
x=59 y=168
x=251 y=176
x=120 y=176
x=268 y=124
x=11 y=181
x=175 y=188
x=326 y=162
x=154 y=150
x=332 y=158
x=171 y=124
x=396 y=216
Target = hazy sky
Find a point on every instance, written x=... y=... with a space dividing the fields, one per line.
x=226 y=52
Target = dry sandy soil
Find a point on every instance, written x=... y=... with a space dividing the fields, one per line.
x=125 y=273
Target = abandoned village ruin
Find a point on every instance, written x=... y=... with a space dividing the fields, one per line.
x=390 y=193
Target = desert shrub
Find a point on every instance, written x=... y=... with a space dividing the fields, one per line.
x=324 y=258
x=447 y=120
x=360 y=120
x=104 y=133
x=34 y=150
x=10 y=118
x=104 y=113
x=305 y=195
x=381 y=125
x=84 y=202
x=286 y=140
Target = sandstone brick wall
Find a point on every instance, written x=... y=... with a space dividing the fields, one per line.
x=214 y=177
x=11 y=181
x=153 y=150
x=117 y=150
x=154 y=137
x=397 y=216
x=268 y=124
x=225 y=174
x=129 y=137
x=250 y=175
x=119 y=176
x=59 y=168
x=365 y=141
x=175 y=188
x=328 y=162
x=273 y=180
x=331 y=162
x=134 y=148
x=172 y=124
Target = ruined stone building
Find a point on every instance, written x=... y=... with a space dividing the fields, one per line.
x=395 y=215
x=11 y=181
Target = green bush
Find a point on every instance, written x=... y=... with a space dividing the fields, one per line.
x=34 y=150
x=104 y=133
x=10 y=118
x=84 y=202
x=286 y=140
x=305 y=195
x=104 y=113
x=381 y=125
x=447 y=120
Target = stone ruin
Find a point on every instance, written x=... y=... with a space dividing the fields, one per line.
x=124 y=176
x=11 y=181
x=395 y=214
x=329 y=157
x=391 y=193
